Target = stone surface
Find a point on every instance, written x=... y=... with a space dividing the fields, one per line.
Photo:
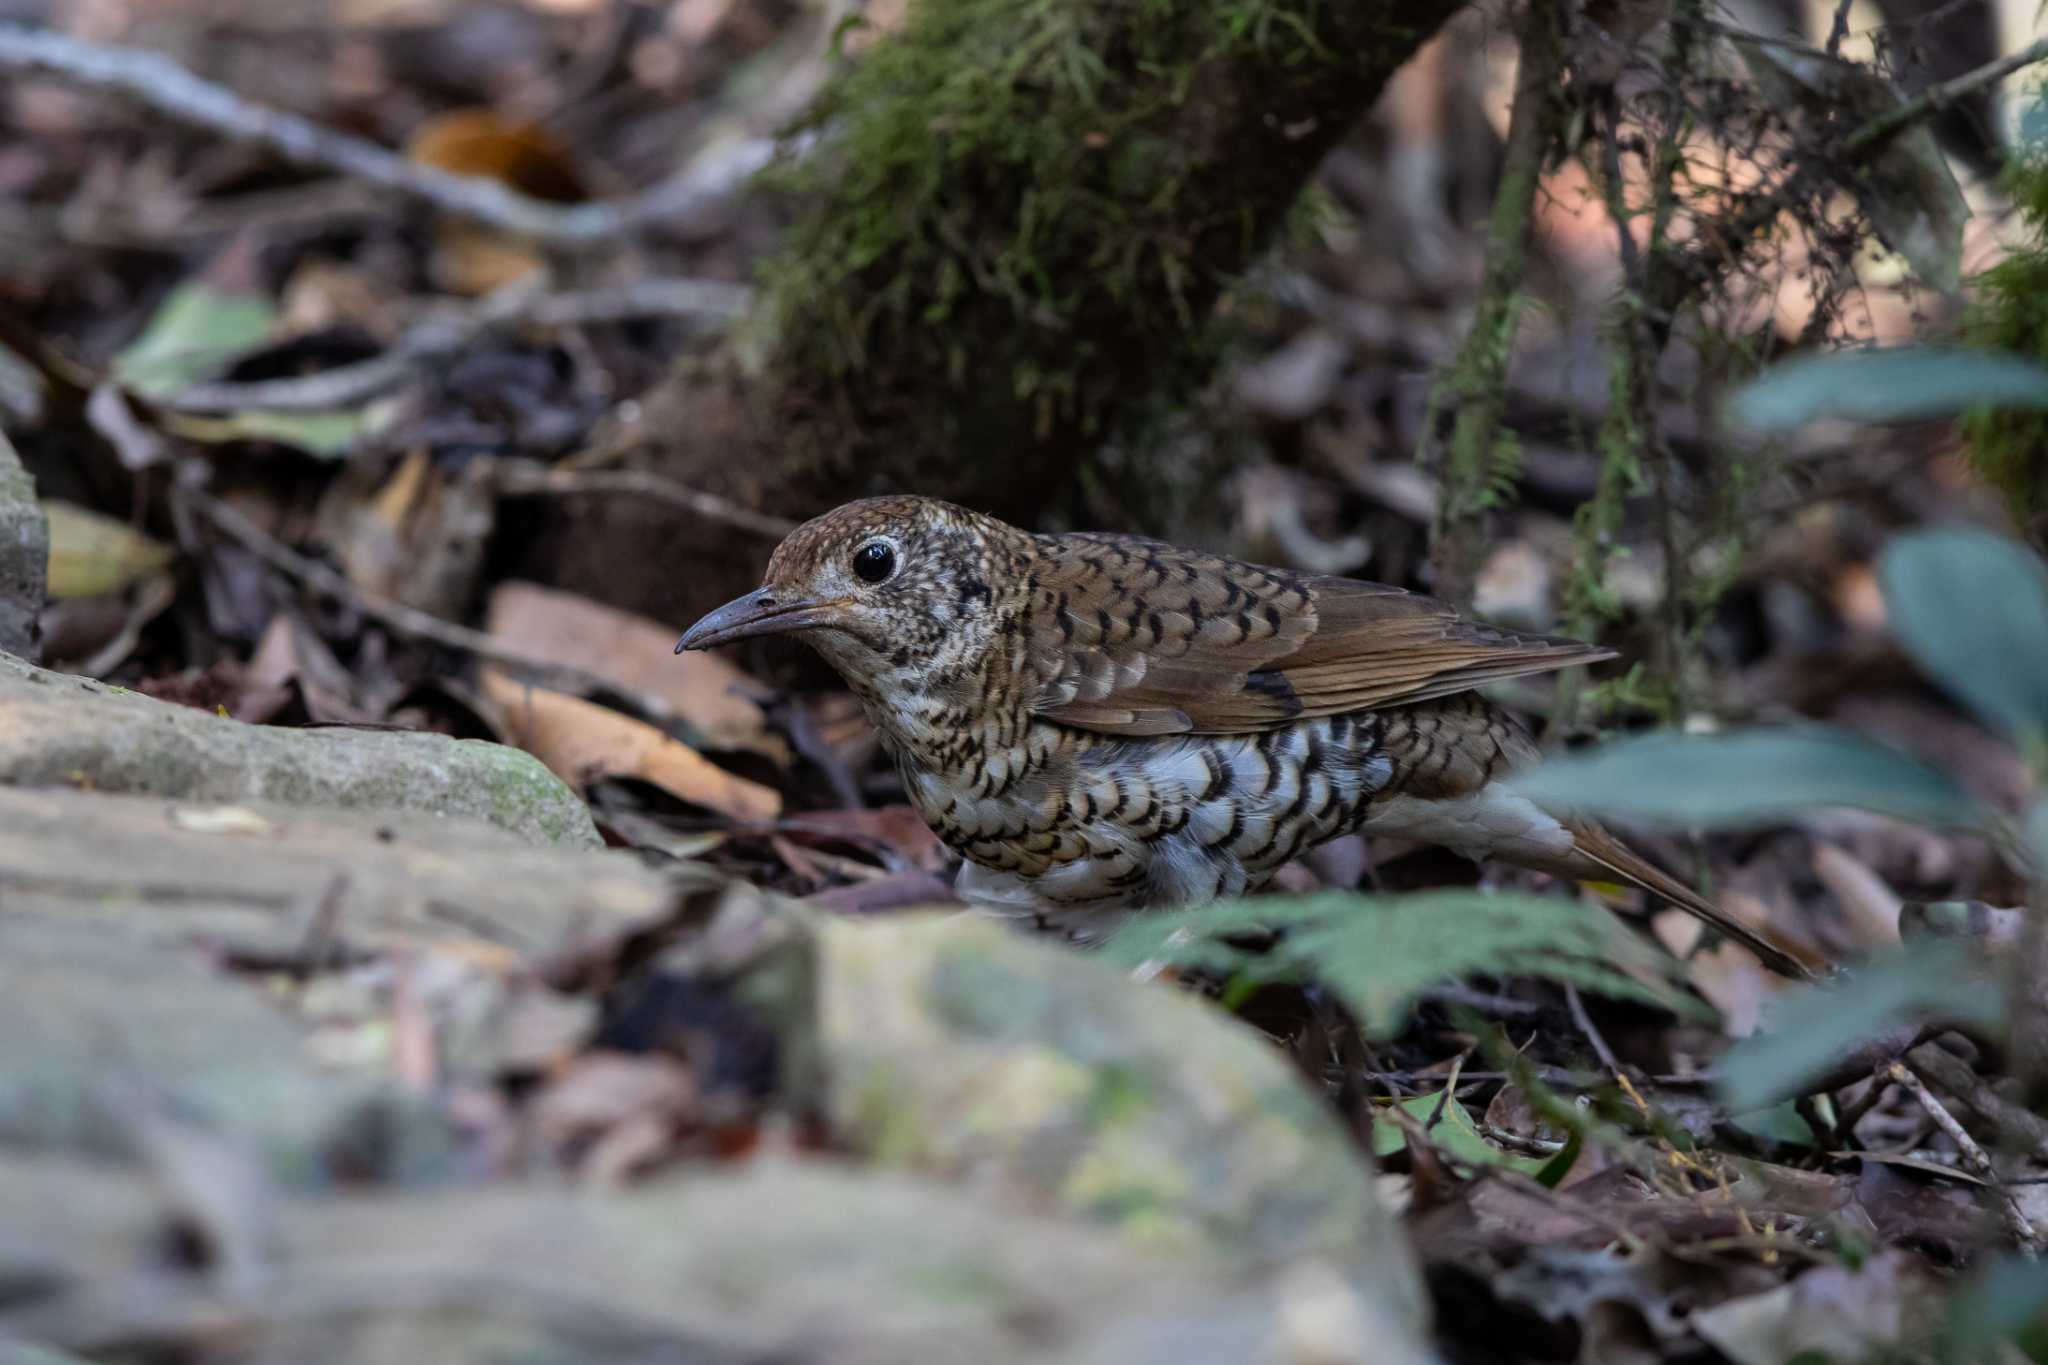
x=24 y=555
x=58 y=730
x=783 y=1261
x=954 y=1044
x=114 y=911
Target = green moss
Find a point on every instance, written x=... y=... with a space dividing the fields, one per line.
x=2009 y=312
x=523 y=795
x=1032 y=203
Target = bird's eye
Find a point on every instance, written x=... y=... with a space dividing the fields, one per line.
x=874 y=562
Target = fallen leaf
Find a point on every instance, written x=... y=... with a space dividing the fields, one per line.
x=603 y=1089
x=1870 y=907
x=201 y=325
x=717 y=700
x=323 y=435
x=881 y=895
x=582 y=741
x=92 y=554
x=470 y=258
x=416 y=535
x=897 y=833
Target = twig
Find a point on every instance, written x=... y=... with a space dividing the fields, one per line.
x=442 y=335
x=1973 y=1156
x=165 y=86
x=1584 y=1022
x=396 y=615
x=527 y=478
x=2015 y=1124
x=1936 y=98
x=1722 y=244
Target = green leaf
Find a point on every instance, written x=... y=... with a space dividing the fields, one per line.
x=1779 y=1123
x=1744 y=778
x=2003 y=1300
x=1454 y=1133
x=1558 y=1167
x=92 y=553
x=1811 y=1028
x=195 y=332
x=1972 y=609
x=1377 y=953
x=1896 y=384
x=323 y=435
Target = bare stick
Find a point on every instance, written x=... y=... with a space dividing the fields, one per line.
x=526 y=478
x=156 y=81
x=444 y=335
x=1584 y=1021
x=1936 y=98
x=1973 y=1155
x=396 y=615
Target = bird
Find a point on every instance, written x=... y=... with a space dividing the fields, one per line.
x=1100 y=723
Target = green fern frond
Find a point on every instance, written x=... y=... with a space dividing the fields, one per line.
x=1378 y=953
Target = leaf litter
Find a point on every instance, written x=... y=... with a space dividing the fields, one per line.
x=1594 y=1167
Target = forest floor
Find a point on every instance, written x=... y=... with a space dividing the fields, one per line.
x=674 y=1043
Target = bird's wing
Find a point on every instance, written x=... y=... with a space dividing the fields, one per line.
x=1139 y=637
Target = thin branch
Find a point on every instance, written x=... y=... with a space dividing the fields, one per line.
x=526 y=478
x=2015 y=1124
x=442 y=335
x=1722 y=244
x=1584 y=1022
x=1936 y=98
x=1973 y=1156
x=686 y=198
x=409 y=621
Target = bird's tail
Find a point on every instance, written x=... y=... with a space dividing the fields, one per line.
x=1605 y=856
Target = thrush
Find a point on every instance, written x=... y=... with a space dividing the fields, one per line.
x=1096 y=722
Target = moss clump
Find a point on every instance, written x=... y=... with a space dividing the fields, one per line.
x=1025 y=208
x=2009 y=312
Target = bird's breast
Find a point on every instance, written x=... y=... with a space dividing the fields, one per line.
x=1067 y=817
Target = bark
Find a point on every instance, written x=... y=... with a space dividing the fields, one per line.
x=1015 y=231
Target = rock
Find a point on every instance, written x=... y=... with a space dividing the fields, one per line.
x=777 y=1260
x=24 y=555
x=57 y=730
x=113 y=910
x=954 y=1044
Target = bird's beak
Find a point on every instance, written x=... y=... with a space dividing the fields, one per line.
x=758 y=613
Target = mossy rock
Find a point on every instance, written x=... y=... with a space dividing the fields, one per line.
x=953 y=1043
x=58 y=730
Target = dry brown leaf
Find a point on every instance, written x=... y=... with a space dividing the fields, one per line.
x=1728 y=975
x=896 y=830
x=601 y=1090
x=472 y=259
x=716 y=699
x=1870 y=908
x=417 y=537
x=582 y=741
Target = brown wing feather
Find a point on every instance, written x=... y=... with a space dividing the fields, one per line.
x=1140 y=637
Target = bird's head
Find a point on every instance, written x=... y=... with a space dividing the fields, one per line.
x=887 y=589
